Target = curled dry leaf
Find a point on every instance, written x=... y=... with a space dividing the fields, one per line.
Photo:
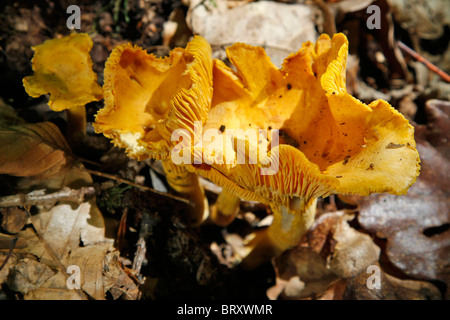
x=353 y=251
x=33 y=150
x=90 y=261
x=279 y=27
x=96 y=275
x=63 y=227
x=390 y=288
x=13 y=219
x=427 y=18
x=116 y=280
x=438 y=129
x=69 y=233
x=37 y=278
x=332 y=251
x=28 y=274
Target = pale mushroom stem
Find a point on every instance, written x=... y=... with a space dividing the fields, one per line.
x=225 y=209
x=288 y=227
x=188 y=185
x=76 y=124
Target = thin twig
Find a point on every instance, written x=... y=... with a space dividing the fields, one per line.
x=131 y=183
x=36 y=199
x=329 y=25
x=139 y=256
x=88 y=161
x=427 y=63
x=119 y=243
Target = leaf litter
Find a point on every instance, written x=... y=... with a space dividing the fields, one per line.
x=406 y=237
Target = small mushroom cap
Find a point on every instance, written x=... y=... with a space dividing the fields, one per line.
x=330 y=142
x=146 y=97
x=63 y=68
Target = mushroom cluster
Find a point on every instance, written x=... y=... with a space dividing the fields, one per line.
x=284 y=137
x=148 y=98
x=329 y=142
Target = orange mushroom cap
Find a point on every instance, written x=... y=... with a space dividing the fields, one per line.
x=146 y=97
x=63 y=68
x=330 y=142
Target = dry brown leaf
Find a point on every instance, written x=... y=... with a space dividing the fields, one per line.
x=415 y=226
x=52 y=294
x=427 y=19
x=391 y=288
x=54 y=242
x=332 y=264
x=12 y=260
x=353 y=252
x=54 y=288
x=64 y=226
x=116 y=280
x=13 y=219
x=100 y=272
x=279 y=27
x=438 y=129
x=33 y=150
x=28 y=274
x=90 y=261
x=332 y=251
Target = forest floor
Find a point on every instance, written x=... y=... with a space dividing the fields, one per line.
x=132 y=242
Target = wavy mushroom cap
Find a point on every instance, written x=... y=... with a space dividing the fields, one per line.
x=63 y=68
x=329 y=142
x=146 y=97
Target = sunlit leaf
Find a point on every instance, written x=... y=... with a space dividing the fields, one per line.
x=38 y=150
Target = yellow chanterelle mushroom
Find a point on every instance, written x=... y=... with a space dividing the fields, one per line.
x=63 y=68
x=283 y=137
x=328 y=141
x=147 y=98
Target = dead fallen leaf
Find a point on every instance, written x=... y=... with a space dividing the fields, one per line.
x=279 y=27
x=438 y=128
x=333 y=264
x=335 y=290
x=90 y=261
x=13 y=219
x=28 y=274
x=55 y=288
x=353 y=252
x=38 y=150
x=116 y=280
x=331 y=251
x=391 y=288
x=52 y=294
x=426 y=18
x=65 y=225
x=69 y=233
